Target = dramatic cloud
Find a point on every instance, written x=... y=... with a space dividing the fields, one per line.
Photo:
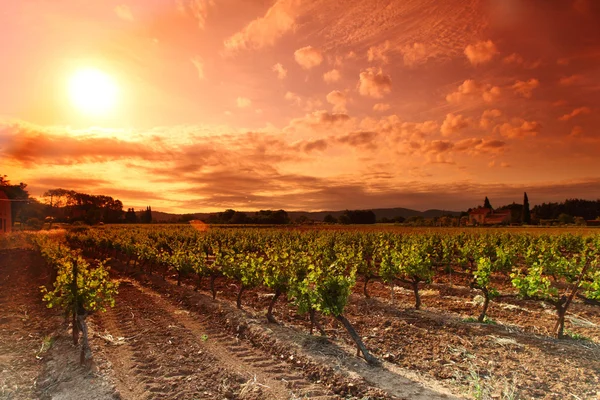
x=308 y=57
x=243 y=102
x=377 y=53
x=265 y=31
x=470 y=90
x=575 y=112
x=481 y=52
x=374 y=83
x=454 y=123
x=30 y=144
x=332 y=76
x=124 y=12
x=338 y=99
x=281 y=72
x=199 y=64
x=525 y=88
x=381 y=107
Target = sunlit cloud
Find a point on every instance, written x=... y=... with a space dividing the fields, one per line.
x=199 y=65
x=381 y=107
x=332 y=76
x=575 y=112
x=454 y=123
x=281 y=72
x=264 y=31
x=378 y=53
x=481 y=52
x=308 y=57
x=338 y=99
x=470 y=90
x=518 y=128
x=374 y=83
x=196 y=8
x=525 y=88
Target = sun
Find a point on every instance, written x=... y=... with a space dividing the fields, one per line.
x=93 y=92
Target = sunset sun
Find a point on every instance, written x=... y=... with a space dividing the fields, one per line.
x=93 y=92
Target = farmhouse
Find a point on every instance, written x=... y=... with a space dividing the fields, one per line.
x=5 y=214
x=487 y=216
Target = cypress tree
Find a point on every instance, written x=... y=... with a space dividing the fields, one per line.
x=526 y=213
x=486 y=203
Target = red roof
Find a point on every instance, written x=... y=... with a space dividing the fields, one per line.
x=480 y=210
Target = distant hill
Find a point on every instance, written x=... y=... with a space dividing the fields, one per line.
x=158 y=216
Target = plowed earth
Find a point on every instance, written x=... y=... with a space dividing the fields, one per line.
x=161 y=341
x=514 y=356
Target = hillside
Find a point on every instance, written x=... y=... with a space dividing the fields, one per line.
x=159 y=216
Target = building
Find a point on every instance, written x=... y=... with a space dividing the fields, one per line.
x=487 y=216
x=5 y=214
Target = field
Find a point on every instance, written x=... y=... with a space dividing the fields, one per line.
x=189 y=317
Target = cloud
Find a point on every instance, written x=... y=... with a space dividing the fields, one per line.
x=454 y=123
x=577 y=131
x=30 y=144
x=481 y=52
x=197 y=8
x=338 y=99
x=470 y=90
x=319 y=121
x=517 y=59
x=308 y=57
x=265 y=31
x=575 y=112
x=359 y=139
x=124 y=12
x=243 y=102
x=377 y=53
x=414 y=55
x=519 y=128
x=332 y=76
x=374 y=83
x=570 y=80
x=307 y=104
x=199 y=64
x=488 y=117
x=479 y=146
x=318 y=145
x=281 y=72
x=381 y=107
x=525 y=88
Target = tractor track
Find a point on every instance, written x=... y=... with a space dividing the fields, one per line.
x=163 y=351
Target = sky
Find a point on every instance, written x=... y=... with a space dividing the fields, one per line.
x=303 y=104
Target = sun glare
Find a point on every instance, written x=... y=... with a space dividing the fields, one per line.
x=93 y=91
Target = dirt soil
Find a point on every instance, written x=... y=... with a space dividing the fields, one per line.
x=513 y=356
x=162 y=341
x=37 y=356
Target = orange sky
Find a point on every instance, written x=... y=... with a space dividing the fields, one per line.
x=306 y=104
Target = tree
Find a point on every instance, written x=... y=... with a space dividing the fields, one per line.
x=146 y=216
x=486 y=204
x=14 y=192
x=330 y=219
x=526 y=213
x=130 y=216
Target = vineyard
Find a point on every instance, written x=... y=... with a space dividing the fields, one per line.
x=476 y=313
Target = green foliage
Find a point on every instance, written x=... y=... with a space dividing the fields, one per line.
x=95 y=289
